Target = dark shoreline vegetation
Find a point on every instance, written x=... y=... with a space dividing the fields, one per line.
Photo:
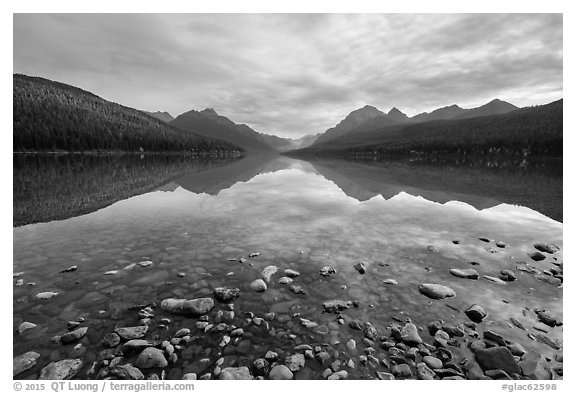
x=59 y=186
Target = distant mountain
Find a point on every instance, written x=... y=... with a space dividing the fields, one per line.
x=370 y=118
x=286 y=144
x=53 y=116
x=533 y=131
x=210 y=124
x=353 y=120
x=447 y=112
x=164 y=116
x=494 y=107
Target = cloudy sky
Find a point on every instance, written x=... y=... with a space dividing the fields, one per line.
x=295 y=74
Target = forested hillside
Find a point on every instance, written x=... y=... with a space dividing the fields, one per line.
x=534 y=131
x=52 y=116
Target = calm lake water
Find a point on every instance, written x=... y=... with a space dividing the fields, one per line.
x=192 y=220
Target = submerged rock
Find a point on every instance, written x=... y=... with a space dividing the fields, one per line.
x=258 y=285
x=226 y=295
x=495 y=280
x=436 y=291
x=24 y=362
x=336 y=305
x=268 y=272
x=360 y=267
x=26 y=326
x=409 y=335
x=291 y=273
x=64 y=369
x=537 y=256
x=295 y=362
x=131 y=333
x=547 y=318
x=194 y=307
x=70 y=269
x=126 y=372
x=497 y=358
x=280 y=372
x=236 y=373
x=46 y=295
x=327 y=271
x=548 y=248
x=74 y=335
x=151 y=358
x=465 y=273
x=476 y=313
x=507 y=275
x=111 y=340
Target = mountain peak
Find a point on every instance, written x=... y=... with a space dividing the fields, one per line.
x=209 y=111
x=397 y=114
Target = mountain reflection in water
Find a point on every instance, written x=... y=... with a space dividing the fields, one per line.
x=299 y=215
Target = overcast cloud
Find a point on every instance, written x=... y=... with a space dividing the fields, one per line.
x=296 y=74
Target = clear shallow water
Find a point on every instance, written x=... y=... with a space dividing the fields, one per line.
x=296 y=218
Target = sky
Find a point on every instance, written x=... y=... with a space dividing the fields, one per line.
x=296 y=74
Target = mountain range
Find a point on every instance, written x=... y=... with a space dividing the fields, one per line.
x=52 y=116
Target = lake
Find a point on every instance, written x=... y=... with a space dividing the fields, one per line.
x=141 y=229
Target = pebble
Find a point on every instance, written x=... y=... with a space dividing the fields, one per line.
x=285 y=280
x=236 y=373
x=548 y=248
x=360 y=267
x=151 y=358
x=351 y=344
x=385 y=376
x=476 y=313
x=226 y=295
x=24 y=362
x=424 y=372
x=327 y=271
x=507 y=275
x=401 y=371
x=537 y=256
x=280 y=372
x=145 y=263
x=470 y=274
x=432 y=362
x=342 y=374
x=336 y=305
x=495 y=280
x=194 y=307
x=436 y=291
x=261 y=367
x=268 y=272
x=547 y=318
x=26 y=326
x=258 y=285
x=111 y=340
x=409 y=335
x=61 y=370
x=390 y=281
x=295 y=362
x=131 y=333
x=46 y=295
x=74 y=335
x=70 y=269
x=291 y=273
x=497 y=358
